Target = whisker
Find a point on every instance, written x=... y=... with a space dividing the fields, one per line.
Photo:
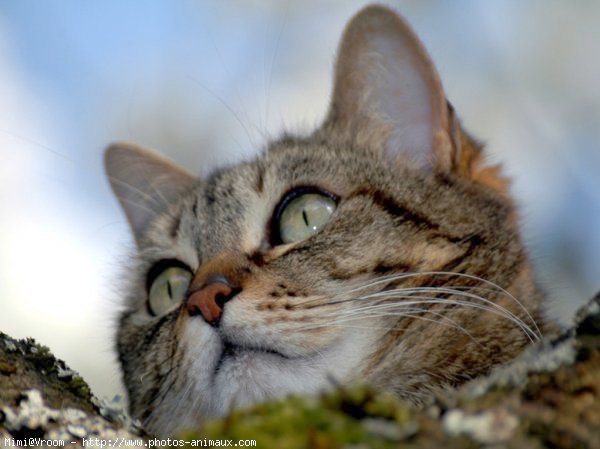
x=493 y=284
x=140 y=205
x=460 y=293
x=396 y=277
x=131 y=187
x=410 y=313
x=149 y=198
x=360 y=311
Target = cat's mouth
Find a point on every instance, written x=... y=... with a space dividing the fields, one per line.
x=234 y=351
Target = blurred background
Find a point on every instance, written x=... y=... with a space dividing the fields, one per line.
x=208 y=82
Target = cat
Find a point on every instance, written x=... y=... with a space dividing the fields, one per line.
x=380 y=248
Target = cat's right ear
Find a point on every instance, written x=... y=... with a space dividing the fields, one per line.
x=145 y=183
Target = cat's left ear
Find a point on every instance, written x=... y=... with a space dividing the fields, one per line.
x=145 y=183
x=388 y=96
x=387 y=93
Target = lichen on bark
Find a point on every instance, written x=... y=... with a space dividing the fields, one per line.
x=547 y=397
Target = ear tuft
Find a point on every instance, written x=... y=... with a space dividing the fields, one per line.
x=472 y=165
x=145 y=183
x=467 y=159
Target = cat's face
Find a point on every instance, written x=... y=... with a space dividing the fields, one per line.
x=377 y=249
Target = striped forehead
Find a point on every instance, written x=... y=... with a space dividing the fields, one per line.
x=230 y=211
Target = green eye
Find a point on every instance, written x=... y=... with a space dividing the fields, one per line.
x=168 y=289
x=304 y=216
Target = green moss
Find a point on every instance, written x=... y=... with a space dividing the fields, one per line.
x=340 y=419
x=79 y=387
x=43 y=360
x=26 y=364
x=558 y=408
x=40 y=356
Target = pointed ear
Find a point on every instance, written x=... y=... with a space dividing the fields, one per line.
x=145 y=183
x=387 y=93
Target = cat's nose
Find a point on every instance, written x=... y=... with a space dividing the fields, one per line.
x=210 y=299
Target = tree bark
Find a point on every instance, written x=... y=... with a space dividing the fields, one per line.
x=547 y=397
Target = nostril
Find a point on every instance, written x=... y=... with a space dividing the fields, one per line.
x=221 y=298
x=209 y=301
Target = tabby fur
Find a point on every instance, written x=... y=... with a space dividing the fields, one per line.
x=419 y=282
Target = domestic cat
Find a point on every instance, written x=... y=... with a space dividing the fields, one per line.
x=380 y=248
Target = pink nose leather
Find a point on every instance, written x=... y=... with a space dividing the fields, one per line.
x=208 y=301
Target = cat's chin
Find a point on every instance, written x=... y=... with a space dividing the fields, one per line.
x=246 y=376
x=228 y=376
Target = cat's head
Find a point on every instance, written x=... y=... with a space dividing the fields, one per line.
x=380 y=248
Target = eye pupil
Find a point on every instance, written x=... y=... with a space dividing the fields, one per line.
x=305 y=214
x=168 y=288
